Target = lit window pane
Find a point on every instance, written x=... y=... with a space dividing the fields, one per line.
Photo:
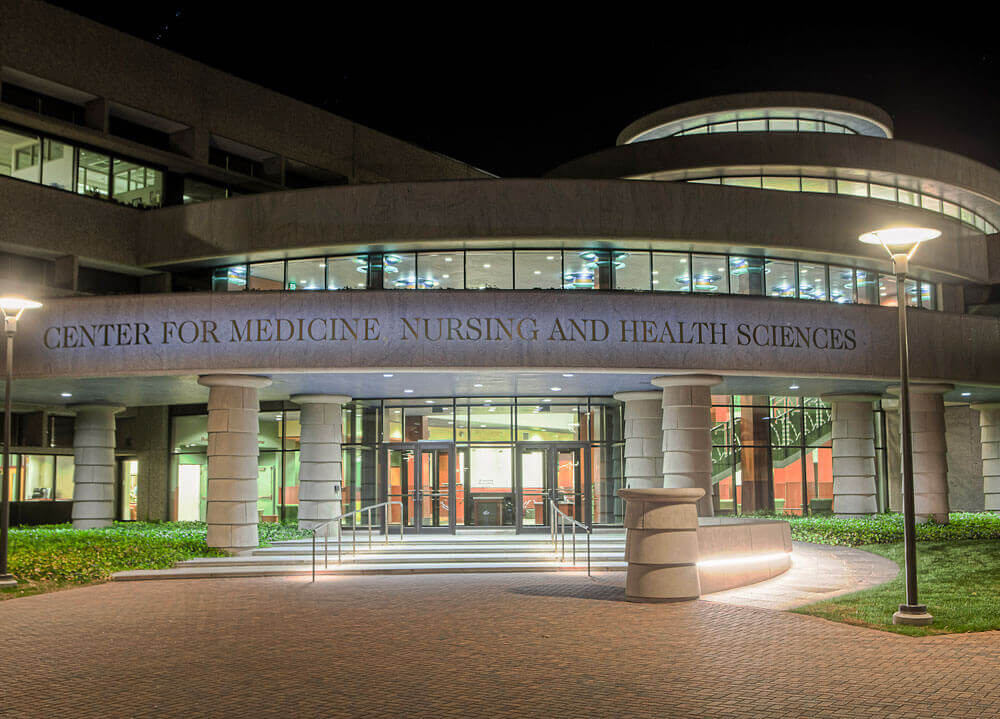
x=752 y=125
x=868 y=287
x=709 y=272
x=912 y=293
x=707 y=181
x=930 y=203
x=20 y=155
x=537 y=269
x=267 y=276
x=441 y=270
x=812 y=281
x=746 y=275
x=782 y=125
x=928 y=295
x=671 y=272
x=968 y=217
x=306 y=274
x=137 y=185
x=980 y=223
x=779 y=276
x=906 y=197
x=818 y=184
x=632 y=271
x=788 y=184
x=724 y=127
x=810 y=126
x=841 y=284
x=93 y=170
x=57 y=165
x=742 y=182
x=399 y=271
x=883 y=192
x=229 y=279
x=489 y=270
x=581 y=270
x=887 y=291
x=855 y=189
x=949 y=208
x=346 y=273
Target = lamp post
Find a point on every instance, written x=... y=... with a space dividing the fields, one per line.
x=901 y=243
x=12 y=308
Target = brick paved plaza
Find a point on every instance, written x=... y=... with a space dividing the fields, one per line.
x=526 y=645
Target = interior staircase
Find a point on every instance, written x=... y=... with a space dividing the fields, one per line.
x=466 y=551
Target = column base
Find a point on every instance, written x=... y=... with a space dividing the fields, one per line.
x=914 y=615
x=7 y=581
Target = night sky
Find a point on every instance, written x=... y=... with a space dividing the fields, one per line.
x=501 y=88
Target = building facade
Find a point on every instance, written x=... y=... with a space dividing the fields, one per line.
x=252 y=316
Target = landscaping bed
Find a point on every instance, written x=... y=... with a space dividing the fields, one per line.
x=51 y=557
x=887 y=528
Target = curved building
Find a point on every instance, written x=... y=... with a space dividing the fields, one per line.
x=284 y=314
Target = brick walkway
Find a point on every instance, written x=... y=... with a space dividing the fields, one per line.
x=505 y=645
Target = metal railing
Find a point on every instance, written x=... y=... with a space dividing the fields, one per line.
x=354 y=532
x=563 y=519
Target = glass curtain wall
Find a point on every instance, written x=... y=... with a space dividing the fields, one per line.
x=553 y=269
x=774 y=454
x=41 y=477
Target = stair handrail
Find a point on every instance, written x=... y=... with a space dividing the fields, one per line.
x=563 y=518
x=339 y=519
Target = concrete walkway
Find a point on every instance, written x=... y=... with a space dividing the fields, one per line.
x=818 y=572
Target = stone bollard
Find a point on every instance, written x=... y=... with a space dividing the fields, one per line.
x=661 y=544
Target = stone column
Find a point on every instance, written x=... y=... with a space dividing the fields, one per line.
x=661 y=544
x=989 y=436
x=320 y=473
x=930 y=451
x=643 y=439
x=232 y=460
x=687 y=434
x=854 y=477
x=94 y=465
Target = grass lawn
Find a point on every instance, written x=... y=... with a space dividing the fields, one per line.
x=959 y=583
x=53 y=557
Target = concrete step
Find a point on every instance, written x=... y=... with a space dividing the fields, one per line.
x=272 y=570
x=381 y=548
x=401 y=558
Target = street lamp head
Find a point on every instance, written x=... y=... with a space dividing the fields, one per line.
x=15 y=305
x=900 y=242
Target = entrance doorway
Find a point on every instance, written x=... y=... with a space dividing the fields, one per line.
x=422 y=477
x=556 y=472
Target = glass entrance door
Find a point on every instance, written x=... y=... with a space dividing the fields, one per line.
x=556 y=472
x=421 y=477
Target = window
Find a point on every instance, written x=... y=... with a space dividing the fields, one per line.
x=92 y=175
x=441 y=270
x=841 y=284
x=855 y=189
x=671 y=272
x=136 y=185
x=779 y=276
x=57 y=165
x=868 y=287
x=18 y=155
x=812 y=281
x=199 y=191
x=746 y=275
x=632 y=271
x=229 y=279
x=489 y=269
x=345 y=273
x=537 y=269
x=786 y=184
x=818 y=184
x=266 y=276
x=709 y=273
x=306 y=275
x=399 y=271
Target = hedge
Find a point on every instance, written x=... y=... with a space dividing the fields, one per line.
x=888 y=528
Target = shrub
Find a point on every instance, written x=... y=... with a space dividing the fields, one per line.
x=888 y=528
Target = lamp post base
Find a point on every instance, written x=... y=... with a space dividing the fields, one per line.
x=914 y=615
x=7 y=580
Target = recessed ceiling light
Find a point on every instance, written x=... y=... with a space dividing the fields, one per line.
x=487 y=266
x=568 y=374
x=546 y=400
x=408 y=391
x=550 y=257
x=67 y=394
x=446 y=276
x=477 y=385
x=447 y=259
x=429 y=401
x=556 y=389
x=793 y=386
x=487 y=401
x=964 y=394
x=538 y=272
x=387 y=374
